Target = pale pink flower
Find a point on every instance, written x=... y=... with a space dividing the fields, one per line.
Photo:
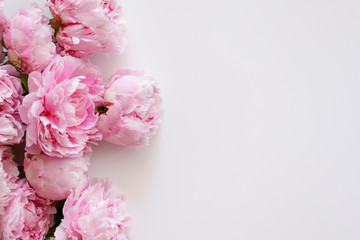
x=133 y=104
x=11 y=127
x=53 y=177
x=28 y=38
x=93 y=212
x=89 y=26
x=8 y=164
x=60 y=109
x=27 y=217
x=3 y=20
x=4 y=190
x=8 y=175
x=10 y=89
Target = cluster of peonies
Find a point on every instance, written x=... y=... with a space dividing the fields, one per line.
x=54 y=99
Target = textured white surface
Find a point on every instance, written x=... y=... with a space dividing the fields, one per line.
x=261 y=134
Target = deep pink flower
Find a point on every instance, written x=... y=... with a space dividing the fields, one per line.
x=27 y=217
x=8 y=175
x=11 y=127
x=93 y=212
x=28 y=38
x=89 y=26
x=133 y=105
x=60 y=109
x=53 y=177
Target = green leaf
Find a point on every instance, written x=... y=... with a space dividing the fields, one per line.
x=101 y=109
x=50 y=235
x=24 y=81
x=55 y=24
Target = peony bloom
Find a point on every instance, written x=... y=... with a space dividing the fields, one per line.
x=89 y=26
x=53 y=177
x=93 y=212
x=28 y=38
x=10 y=89
x=60 y=109
x=8 y=175
x=3 y=18
x=11 y=127
x=2 y=27
x=133 y=104
x=27 y=216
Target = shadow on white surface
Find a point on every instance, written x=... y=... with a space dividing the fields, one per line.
x=133 y=171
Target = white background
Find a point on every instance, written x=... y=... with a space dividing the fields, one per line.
x=260 y=138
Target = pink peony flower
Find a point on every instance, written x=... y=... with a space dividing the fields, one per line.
x=10 y=89
x=11 y=127
x=89 y=26
x=133 y=107
x=8 y=175
x=28 y=38
x=3 y=20
x=27 y=216
x=8 y=164
x=93 y=212
x=53 y=177
x=5 y=189
x=60 y=109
